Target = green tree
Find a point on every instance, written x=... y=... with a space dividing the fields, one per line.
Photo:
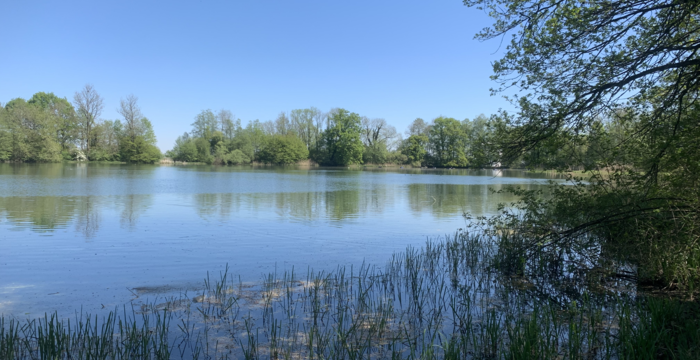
x=184 y=149
x=232 y=145
x=340 y=143
x=137 y=143
x=204 y=125
x=414 y=148
x=216 y=139
x=244 y=143
x=146 y=130
x=29 y=133
x=5 y=137
x=138 y=150
x=481 y=150
x=237 y=157
x=105 y=142
x=307 y=124
x=17 y=117
x=283 y=149
x=375 y=153
x=203 y=150
x=577 y=60
x=255 y=138
x=447 y=143
x=637 y=63
x=62 y=115
x=378 y=137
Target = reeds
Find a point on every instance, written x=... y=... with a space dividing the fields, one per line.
x=443 y=301
x=113 y=337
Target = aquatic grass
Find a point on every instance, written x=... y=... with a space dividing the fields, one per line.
x=130 y=337
x=9 y=338
x=661 y=329
x=446 y=300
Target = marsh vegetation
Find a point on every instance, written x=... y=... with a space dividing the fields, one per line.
x=446 y=300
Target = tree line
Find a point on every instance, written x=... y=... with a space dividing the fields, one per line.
x=340 y=137
x=47 y=128
x=334 y=138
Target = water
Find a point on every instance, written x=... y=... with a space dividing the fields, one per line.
x=93 y=237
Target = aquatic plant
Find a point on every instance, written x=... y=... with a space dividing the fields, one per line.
x=443 y=301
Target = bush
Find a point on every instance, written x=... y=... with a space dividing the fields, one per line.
x=137 y=150
x=283 y=149
x=375 y=154
x=237 y=157
x=98 y=154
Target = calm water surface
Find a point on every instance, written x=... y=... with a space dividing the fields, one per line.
x=78 y=235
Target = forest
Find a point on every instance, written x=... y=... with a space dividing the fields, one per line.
x=47 y=128
x=340 y=138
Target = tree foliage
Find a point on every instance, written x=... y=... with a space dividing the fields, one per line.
x=28 y=133
x=63 y=117
x=219 y=139
x=580 y=61
x=340 y=143
x=611 y=86
x=414 y=148
x=283 y=150
x=138 y=150
x=48 y=128
x=447 y=141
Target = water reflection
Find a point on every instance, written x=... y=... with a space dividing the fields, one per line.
x=84 y=230
x=332 y=205
x=132 y=207
x=446 y=200
x=47 y=213
x=88 y=219
x=40 y=213
x=79 y=195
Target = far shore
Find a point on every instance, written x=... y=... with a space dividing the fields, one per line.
x=312 y=164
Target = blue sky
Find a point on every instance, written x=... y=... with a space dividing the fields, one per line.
x=396 y=60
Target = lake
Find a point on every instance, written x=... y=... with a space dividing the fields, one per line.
x=92 y=236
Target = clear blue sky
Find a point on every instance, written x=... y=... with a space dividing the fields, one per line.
x=396 y=60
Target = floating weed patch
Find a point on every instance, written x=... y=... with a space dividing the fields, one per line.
x=442 y=301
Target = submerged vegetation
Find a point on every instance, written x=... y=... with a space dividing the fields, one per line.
x=443 y=301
